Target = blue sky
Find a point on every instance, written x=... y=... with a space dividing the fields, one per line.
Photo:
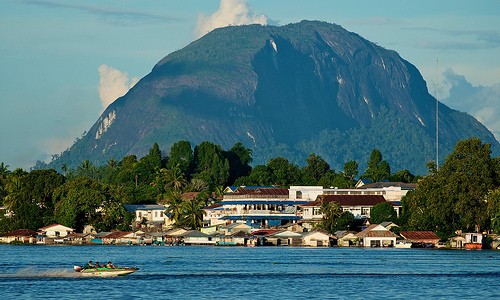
x=62 y=62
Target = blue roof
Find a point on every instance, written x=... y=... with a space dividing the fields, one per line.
x=258 y=201
x=136 y=207
x=267 y=217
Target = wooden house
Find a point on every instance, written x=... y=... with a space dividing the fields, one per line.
x=20 y=235
x=377 y=235
x=317 y=238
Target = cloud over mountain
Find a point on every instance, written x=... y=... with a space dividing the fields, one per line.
x=230 y=12
x=113 y=83
x=480 y=101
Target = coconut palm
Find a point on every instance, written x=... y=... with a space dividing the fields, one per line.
x=193 y=212
x=86 y=169
x=174 y=208
x=174 y=178
x=198 y=185
x=13 y=190
x=4 y=170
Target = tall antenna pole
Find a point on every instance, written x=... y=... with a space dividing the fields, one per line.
x=437 y=110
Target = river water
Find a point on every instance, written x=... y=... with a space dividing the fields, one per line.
x=190 y=272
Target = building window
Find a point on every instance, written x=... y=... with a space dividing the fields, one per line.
x=298 y=195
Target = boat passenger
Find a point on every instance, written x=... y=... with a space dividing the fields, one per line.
x=109 y=265
x=90 y=265
x=97 y=265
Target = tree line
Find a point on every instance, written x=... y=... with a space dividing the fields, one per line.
x=462 y=194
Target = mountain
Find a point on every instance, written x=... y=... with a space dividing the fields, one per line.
x=282 y=91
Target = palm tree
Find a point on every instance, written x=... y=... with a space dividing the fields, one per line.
x=198 y=185
x=64 y=168
x=174 y=178
x=112 y=163
x=86 y=169
x=13 y=190
x=175 y=208
x=193 y=213
x=4 y=170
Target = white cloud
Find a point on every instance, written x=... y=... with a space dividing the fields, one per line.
x=482 y=102
x=113 y=84
x=230 y=12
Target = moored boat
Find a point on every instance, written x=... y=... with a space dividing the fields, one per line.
x=473 y=246
x=404 y=244
x=104 y=272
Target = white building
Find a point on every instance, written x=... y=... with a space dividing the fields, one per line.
x=150 y=214
x=359 y=205
x=377 y=235
x=55 y=231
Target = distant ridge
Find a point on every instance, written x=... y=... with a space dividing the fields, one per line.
x=282 y=91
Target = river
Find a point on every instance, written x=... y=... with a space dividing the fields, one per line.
x=190 y=272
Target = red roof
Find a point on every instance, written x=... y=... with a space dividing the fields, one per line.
x=21 y=232
x=213 y=206
x=402 y=185
x=262 y=191
x=49 y=226
x=369 y=232
x=265 y=232
x=348 y=200
x=189 y=195
x=116 y=235
x=419 y=236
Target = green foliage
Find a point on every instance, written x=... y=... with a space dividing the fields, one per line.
x=315 y=169
x=331 y=214
x=493 y=210
x=192 y=210
x=382 y=212
x=344 y=221
x=378 y=169
x=77 y=202
x=462 y=194
x=351 y=170
x=30 y=197
x=283 y=172
x=173 y=178
x=239 y=158
x=454 y=197
x=260 y=175
x=175 y=207
x=211 y=164
x=181 y=155
x=4 y=173
x=402 y=176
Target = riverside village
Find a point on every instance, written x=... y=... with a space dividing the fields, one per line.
x=268 y=216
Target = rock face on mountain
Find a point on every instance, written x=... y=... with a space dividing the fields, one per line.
x=282 y=91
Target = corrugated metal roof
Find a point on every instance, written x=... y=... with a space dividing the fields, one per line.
x=419 y=235
x=369 y=232
x=136 y=207
x=258 y=201
x=261 y=191
x=213 y=206
x=116 y=234
x=264 y=232
x=402 y=185
x=20 y=232
x=348 y=200
x=266 y=217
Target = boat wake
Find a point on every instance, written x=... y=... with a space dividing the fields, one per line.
x=37 y=273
